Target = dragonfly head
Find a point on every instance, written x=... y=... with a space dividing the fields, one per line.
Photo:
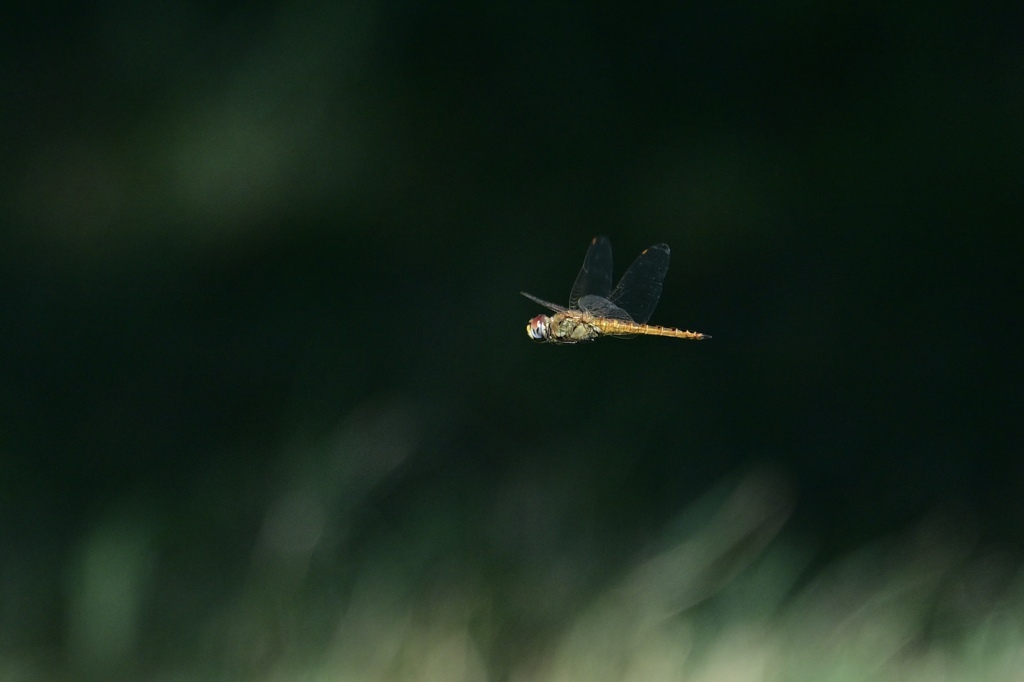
x=537 y=329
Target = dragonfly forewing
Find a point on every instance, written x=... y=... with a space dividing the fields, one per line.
x=595 y=276
x=547 y=304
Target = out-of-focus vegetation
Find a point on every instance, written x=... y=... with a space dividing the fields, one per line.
x=268 y=410
x=509 y=583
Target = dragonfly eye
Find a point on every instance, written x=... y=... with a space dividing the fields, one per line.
x=538 y=328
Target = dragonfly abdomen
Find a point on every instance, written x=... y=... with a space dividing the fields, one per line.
x=623 y=328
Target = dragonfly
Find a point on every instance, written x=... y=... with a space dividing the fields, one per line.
x=595 y=309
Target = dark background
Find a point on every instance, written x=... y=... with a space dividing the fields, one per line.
x=241 y=236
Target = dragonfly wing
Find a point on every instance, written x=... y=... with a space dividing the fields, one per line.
x=598 y=306
x=596 y=274
x=640 y=288
x=546 y=304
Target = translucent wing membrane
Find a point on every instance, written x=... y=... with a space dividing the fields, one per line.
x=546 y=304
x=598 y=306
x=640 y=288
x=595 y=276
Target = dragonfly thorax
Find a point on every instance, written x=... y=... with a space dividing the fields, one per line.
x=570 y=326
